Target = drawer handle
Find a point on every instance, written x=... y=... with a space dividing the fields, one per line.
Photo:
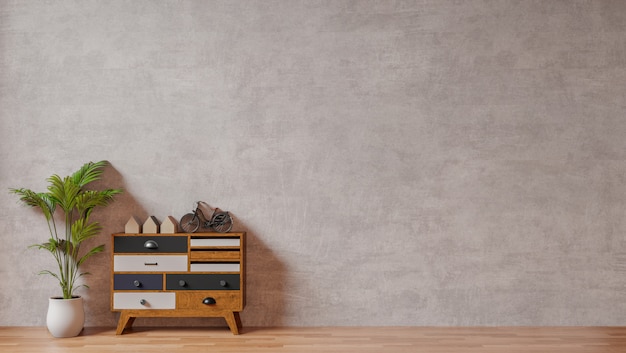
x=182 y=283
x=137 y=283
x=143 y=302
x=208 y=301
x=223 y=283
x=151 y=263
x=151 y=244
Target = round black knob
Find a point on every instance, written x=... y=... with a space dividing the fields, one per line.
x=223 y=283
x=143 y=302
x=182 y=283
x=137 y=283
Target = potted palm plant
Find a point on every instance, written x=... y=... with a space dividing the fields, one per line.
x=65 y=317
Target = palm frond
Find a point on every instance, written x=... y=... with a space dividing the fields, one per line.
x=89 y=172
x=89 y=199
x=83 y=230
x=46 y=272
x=90 y=253
x=52 y=245
x=56 y=245
x=36 y=199
x=63 y=192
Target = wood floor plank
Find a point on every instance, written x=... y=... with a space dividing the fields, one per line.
x=322 y=339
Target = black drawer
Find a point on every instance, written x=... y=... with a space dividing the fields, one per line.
x=201 y=282
x=150 y=244
x=137 y=282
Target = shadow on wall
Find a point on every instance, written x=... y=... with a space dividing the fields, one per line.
x=112 y=219
x=265 y=282
x=265 y=274
x=265 y=290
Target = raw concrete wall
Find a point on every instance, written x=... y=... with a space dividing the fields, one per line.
x=394 y=163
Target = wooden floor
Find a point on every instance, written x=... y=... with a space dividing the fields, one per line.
x=324 y=339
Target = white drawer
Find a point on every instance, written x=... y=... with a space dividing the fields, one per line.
x=201 y=242
x=144 y=300
x=215 y=267
x=149 y=263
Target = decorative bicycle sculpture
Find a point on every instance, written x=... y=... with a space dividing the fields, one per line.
x=219 y=220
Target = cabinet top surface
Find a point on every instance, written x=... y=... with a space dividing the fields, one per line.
x=213 y=234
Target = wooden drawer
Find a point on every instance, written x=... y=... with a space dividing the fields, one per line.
x=201 y=282
x=144 y=300
x=137 y=282
x=222 y=300
x=150 y=244
x=213 y=255
x=149 y=263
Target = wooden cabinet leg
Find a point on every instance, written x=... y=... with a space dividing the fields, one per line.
x=237 y=319
x=232 y=322
x=125 y=321
x=130 y=323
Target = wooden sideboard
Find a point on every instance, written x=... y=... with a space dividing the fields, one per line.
x=178 y=275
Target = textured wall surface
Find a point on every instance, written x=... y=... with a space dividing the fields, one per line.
x=393 y=162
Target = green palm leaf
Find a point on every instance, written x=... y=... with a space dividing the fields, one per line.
x=88 y=200
x=36 y=199
x=81 y=230
x=88 y=172
x=63 y=192
x=52 y=245
x=90 y=253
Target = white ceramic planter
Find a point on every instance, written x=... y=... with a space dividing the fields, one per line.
x=66 y=317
